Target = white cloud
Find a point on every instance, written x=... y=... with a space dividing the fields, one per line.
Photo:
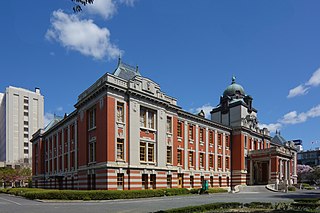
x=302 y=89
x=47 y=118
x=81 y=35
x=299 y=90
x=315 y=79
x=271 y=127
x=105 y=8
x=293 y=117
x=206 y=109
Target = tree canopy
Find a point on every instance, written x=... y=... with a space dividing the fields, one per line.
x=79 y=3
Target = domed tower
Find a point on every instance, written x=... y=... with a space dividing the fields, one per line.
x=235 y=108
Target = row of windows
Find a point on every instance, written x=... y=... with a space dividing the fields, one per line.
x=202 y=134
x=146 y=182
x=202 y=159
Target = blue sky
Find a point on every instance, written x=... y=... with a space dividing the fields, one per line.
x=191 y=48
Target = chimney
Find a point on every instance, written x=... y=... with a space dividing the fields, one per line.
x=37 y=90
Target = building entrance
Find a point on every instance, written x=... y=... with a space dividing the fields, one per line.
x=261 y=173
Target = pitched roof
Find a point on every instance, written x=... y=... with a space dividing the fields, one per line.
x=56 y=119
x=278 y=139
x=126 y=71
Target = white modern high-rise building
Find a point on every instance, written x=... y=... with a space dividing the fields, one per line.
x=21 y=115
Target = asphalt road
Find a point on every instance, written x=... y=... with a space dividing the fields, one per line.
x=10 y=204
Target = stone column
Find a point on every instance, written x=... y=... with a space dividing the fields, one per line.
x=186 y=145
x=269 y=178
x=75 y=146
x=251 y=172
x=197 y=147
x=224 y=152
x=215 y=151
x=207 y=149
x=285 y=171
x=280 y=168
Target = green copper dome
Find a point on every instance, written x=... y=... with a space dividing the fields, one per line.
x=234 y=89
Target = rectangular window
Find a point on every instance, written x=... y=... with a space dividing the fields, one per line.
x=150 y=152
x=169 y=154
x=211 y=181
x=169 y=181
x=151 y=119
x=227 y=162
x=201 y=135
x=120 y=181
x=120 y=149
x=144 y=181
x=219 y=162
x=143 y=117
x=25 y=129
x=25 y=107
x=211 y=160
x=92 y=118
x=72 y=134
x=25 y=113
x=190 y=132
x=92 y=151
x=26 y=136
x=191 y=181
x=201 y=160
x=153 y=181
x=147 y=118
x=245 y=142
x=26 y=151
x=227 y=141
x=142 y=151
x=211 y=138
x=169 y=125
x=180 y=180
x=179 y=129
x=120 y=112
x=26 y=144
x=191 y=159
x=25 y=100
x=219 y=139
x=179 y=157
x=26 y=123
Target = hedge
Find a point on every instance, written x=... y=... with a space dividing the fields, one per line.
x=307 y=200
x=55 y=194
x=259 y=205
x=205 y=207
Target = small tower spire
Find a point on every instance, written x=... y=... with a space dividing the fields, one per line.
x=233 y=79
x=119 y=60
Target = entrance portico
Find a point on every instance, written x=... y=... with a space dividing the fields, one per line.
x=274 y=165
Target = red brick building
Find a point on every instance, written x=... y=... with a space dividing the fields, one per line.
x=125 y=133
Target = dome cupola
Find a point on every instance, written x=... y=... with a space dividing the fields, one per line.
x=234 y=89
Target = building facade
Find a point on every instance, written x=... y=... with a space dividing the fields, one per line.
x=125 y=133
x=21 y=115
x=309 y=157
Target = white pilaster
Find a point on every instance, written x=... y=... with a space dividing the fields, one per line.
x=215 y=151
x=197 y=147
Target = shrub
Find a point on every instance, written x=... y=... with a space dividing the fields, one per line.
x=176 y=191
x=258 y=205
x=307 y=200
x=205 y=207
x=306 y=206
x=291 y=188
x=217 y=190
x=195 y=190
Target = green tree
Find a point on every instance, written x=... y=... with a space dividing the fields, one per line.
x=79 y=3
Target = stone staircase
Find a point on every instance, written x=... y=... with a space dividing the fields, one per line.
x=254 y=189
